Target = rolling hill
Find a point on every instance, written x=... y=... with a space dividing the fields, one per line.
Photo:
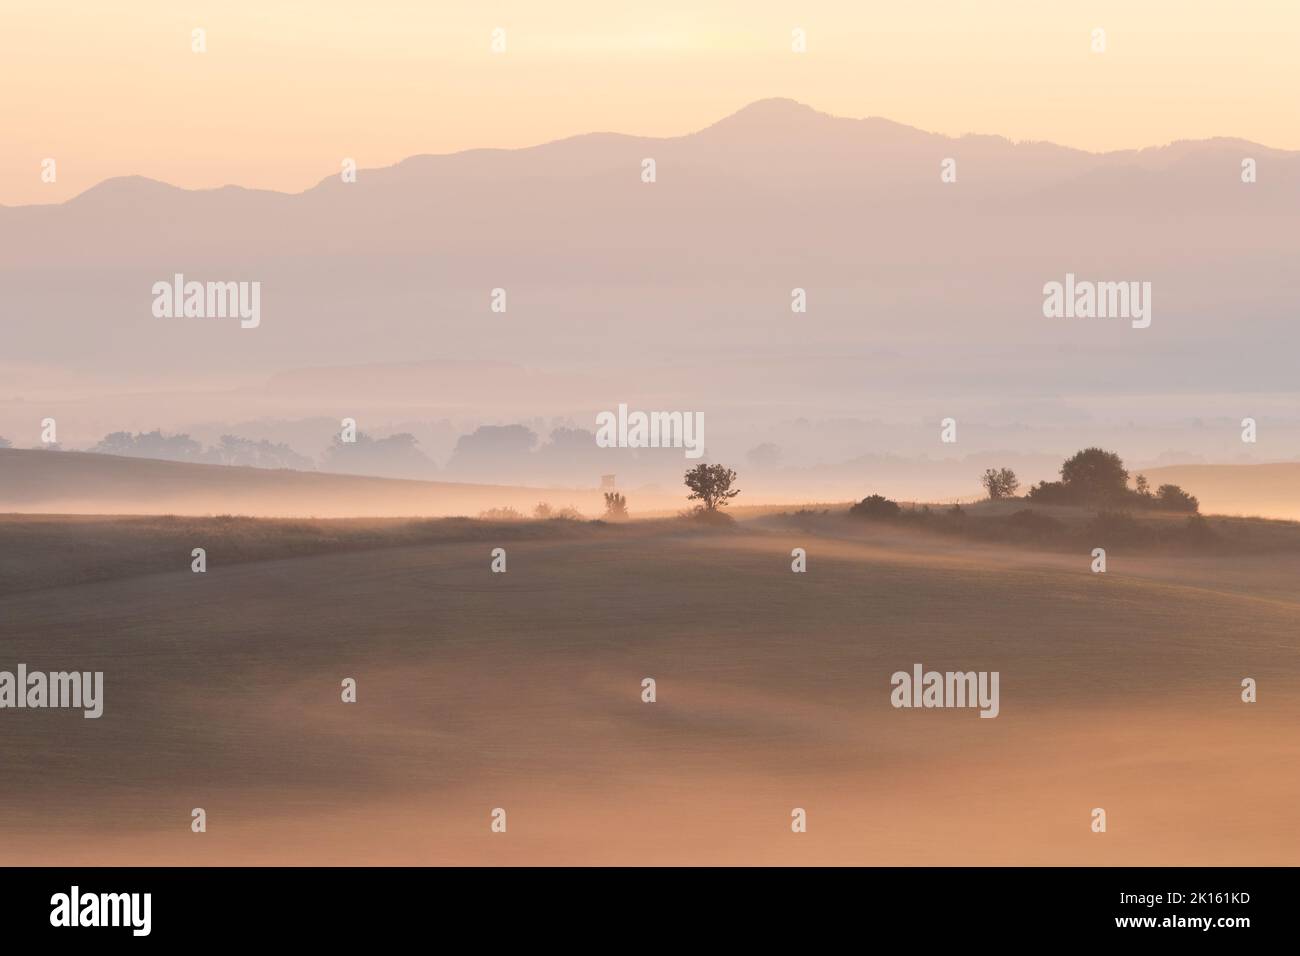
x=1267 y=490
x=49 y=482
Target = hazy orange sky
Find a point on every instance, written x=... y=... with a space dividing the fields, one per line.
x=288 y=88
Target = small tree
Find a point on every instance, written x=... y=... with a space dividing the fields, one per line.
x=1095 y=475
x=1143 y=486
x=542 y=511
x=991 y=483
x=712 y=485
x=615 y=506
x=1000 y=484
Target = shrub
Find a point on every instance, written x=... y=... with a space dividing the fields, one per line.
x=1173 y=498
x=875 y=506
x=707 y=517
x=1050 y=493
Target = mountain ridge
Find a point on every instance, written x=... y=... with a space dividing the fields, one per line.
x=745 y=119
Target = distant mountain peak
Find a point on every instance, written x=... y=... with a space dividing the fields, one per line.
x=127 y=186
x=776 y=109
x=777 y=106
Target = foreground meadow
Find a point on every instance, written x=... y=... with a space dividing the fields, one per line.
x=523 y=691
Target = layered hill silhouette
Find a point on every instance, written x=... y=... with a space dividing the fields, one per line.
x=915 y=287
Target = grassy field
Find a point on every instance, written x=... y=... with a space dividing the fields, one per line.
x=522 y=691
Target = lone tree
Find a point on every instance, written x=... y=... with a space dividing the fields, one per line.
x=615 y=506
x=1095 y=475
x=712 y=485
x=1000 y=484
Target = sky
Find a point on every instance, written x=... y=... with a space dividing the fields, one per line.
x=287 y=89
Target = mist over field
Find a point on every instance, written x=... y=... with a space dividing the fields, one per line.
x=386 y=480
x=520 y=690
x=924 y=301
